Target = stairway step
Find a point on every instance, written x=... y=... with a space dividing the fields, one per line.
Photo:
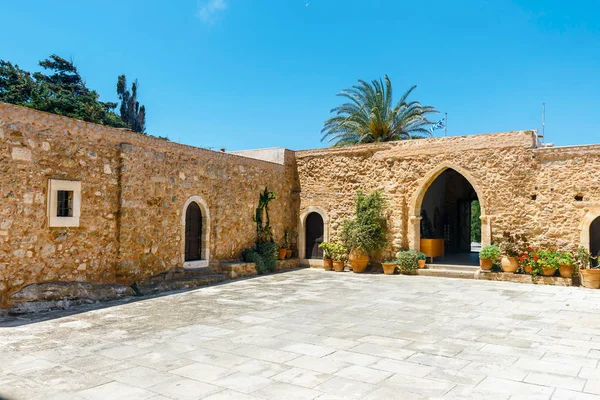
x=467 y=268
x=448 y=273
x=185 y=282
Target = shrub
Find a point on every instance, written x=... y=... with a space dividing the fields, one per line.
x=367 y=231
x=338 y=252
x=408 y=261
x=490 y=253
x=421 y=256
x=264 y=256
x=327 y=249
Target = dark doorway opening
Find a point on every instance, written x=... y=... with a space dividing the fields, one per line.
x=451 y=211
x=314 y=236
x=193 y=233
x=595 y=239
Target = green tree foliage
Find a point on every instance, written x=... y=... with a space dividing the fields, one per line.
x=367 y=231
x=60 y=89
x=475 y=221
x=131 y=112
x=370 y=116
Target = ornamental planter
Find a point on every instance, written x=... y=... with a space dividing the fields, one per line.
x=338 y=266
x=548 y=271
x=509 y=264
x=566 y=271
x=288 y=253
x=486 y=264
x=327 y=264
x=358 y=261
x=590 y=278
x=389 y=268
x=421 y=264
x=282 y=253
x=528 y=269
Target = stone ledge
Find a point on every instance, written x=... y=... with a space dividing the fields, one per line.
x=240 y=269
x=524 y=278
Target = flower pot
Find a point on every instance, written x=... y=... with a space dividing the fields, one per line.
x=421 y=264
x=282 y=253
x=338 y=266
x=590 y=278
x=566 y=271
x=548 y=271
x=486 y=264
x=509 y=264
x=389 y=268
x=327 y=264
x=528 y=269
x=288 y=253
x=358 y=261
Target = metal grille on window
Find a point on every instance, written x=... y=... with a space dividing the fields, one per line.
x=65 y=203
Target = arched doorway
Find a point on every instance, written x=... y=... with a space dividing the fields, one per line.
x=450 y=213
x=193 y=232
x=595 y=238
x=314 y=236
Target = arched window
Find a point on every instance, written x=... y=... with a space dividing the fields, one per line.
x=314 y=236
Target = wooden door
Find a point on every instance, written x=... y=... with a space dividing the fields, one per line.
x=314 y=236
x=595 y=238
x=193 y=233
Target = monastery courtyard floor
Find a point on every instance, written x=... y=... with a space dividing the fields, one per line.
x=311 y=334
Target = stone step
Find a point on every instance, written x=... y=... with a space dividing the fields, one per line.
x=449 y=273
x=468 y=268
x=186 y=282
x=178 y=273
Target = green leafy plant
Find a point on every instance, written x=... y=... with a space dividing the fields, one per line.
x=264 y=256
x=496 y=267
x=584 y=258
x=263 y=228
x=367 y=231
x=421 y=256
x=338 y=252
x=408 y=261
x=327 y=249
x=490 y=252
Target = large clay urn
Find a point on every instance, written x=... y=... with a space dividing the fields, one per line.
x=358 y=261
x=590 y=278
x=509 y=264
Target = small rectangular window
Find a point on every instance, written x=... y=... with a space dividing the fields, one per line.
x=64 y=206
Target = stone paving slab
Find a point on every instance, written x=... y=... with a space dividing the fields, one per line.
x=311 y=334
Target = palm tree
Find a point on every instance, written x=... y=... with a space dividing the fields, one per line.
x=369 y=117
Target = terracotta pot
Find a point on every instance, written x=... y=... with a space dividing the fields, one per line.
x=327 y=264
x=421 y=264
x=288 y=253
x=486 y=264
x=590 y=278
x=389 y=268
x=358 y=261
x=548 y=271
x=338 y=266
x=566 y=271
x=282 y=253
x=528 y=269
x=509 y=264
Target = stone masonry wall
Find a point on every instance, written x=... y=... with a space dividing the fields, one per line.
x=133 y=191
x=505 y=169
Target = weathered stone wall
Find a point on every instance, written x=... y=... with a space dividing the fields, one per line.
x=133 y=190
x=505 y=170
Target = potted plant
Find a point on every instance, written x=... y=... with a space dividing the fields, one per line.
x=590 y=275
x=512 y=247
x=327 y=252
x=529 y=261
x=408 y=262
x=389 y=266
x=287 y=243
x=487 y=256
x=566 y=264
x=548 y=262
x=339 y=253
x=367 y=231
x=281 y=252
x=421 y=258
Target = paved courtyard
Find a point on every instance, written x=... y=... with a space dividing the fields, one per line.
x=311 y=334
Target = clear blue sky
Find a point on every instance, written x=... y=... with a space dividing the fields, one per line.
x=247 y=74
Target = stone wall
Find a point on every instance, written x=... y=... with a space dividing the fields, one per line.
x=521 y=188
x=133 y=190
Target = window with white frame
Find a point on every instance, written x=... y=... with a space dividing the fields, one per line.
x=64 y=203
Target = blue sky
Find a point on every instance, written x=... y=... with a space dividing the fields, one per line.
x=244 y=74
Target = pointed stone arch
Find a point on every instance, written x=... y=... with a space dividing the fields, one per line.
x=416 y=201
x=591 y=215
